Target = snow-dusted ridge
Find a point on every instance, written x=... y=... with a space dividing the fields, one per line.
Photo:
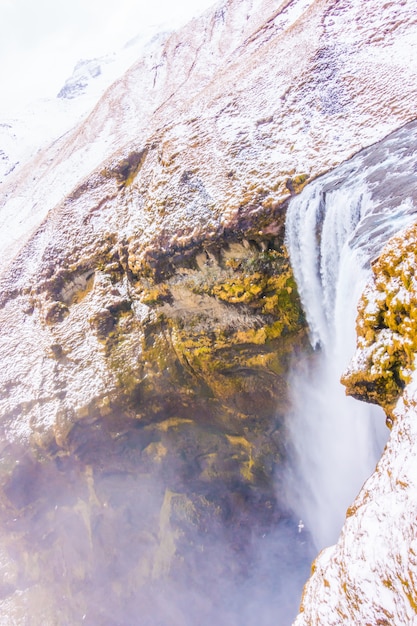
x=35 y=125
x=327 y=65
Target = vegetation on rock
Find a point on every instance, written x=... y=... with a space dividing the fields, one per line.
x=387 y=326
x=174 y=452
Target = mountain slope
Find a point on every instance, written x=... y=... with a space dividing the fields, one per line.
x=33 y=126
x=210 y=97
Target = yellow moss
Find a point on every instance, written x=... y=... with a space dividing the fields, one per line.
x=157 y=352
x=241 y=290
x=172 y=422
x=410 y=592
x=274 y=330
x=246 y=470
x=296 y=183
x=233 y=263
x=387 y=325
x=197 y=343
x=261 y=360
x=156 y=450
x=155 y=295
x=237 y=440
x=247 y=330
x=252 y=335
x=271 y=305
x=246 y=467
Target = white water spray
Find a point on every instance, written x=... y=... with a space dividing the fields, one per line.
x=335 y=227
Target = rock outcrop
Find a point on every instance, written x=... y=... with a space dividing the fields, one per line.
x=387 y=331
x=149 y=313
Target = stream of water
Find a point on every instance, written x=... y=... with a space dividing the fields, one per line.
x=335 y=228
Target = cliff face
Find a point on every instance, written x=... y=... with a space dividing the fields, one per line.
x=370 y=576
x=149 y=313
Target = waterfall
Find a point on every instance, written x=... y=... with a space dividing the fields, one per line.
x=335 y=227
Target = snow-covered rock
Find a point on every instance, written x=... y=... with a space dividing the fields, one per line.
x=248 y=83
x=84 y=71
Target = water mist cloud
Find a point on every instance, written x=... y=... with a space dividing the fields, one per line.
x=101 y=537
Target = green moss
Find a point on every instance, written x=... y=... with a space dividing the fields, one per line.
x=156 y=295
x=387 y=326
x=262 y=281
x=218 y=339
x=296 y=183
x=241 y=289
x=127 y=169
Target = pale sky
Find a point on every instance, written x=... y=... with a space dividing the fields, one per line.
x=41 y=40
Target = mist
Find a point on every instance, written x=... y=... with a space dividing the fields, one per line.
x=97 y=536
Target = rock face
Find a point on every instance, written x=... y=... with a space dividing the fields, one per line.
x=149 y=314
x=158 y=392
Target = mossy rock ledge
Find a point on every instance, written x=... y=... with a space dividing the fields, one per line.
x=154 y=450
x=387 y=327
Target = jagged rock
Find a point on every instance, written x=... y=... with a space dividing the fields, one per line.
x=387 y=331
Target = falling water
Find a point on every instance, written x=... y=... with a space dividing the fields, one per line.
x=335 y=227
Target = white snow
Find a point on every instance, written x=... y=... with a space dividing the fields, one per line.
x=35 y=125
